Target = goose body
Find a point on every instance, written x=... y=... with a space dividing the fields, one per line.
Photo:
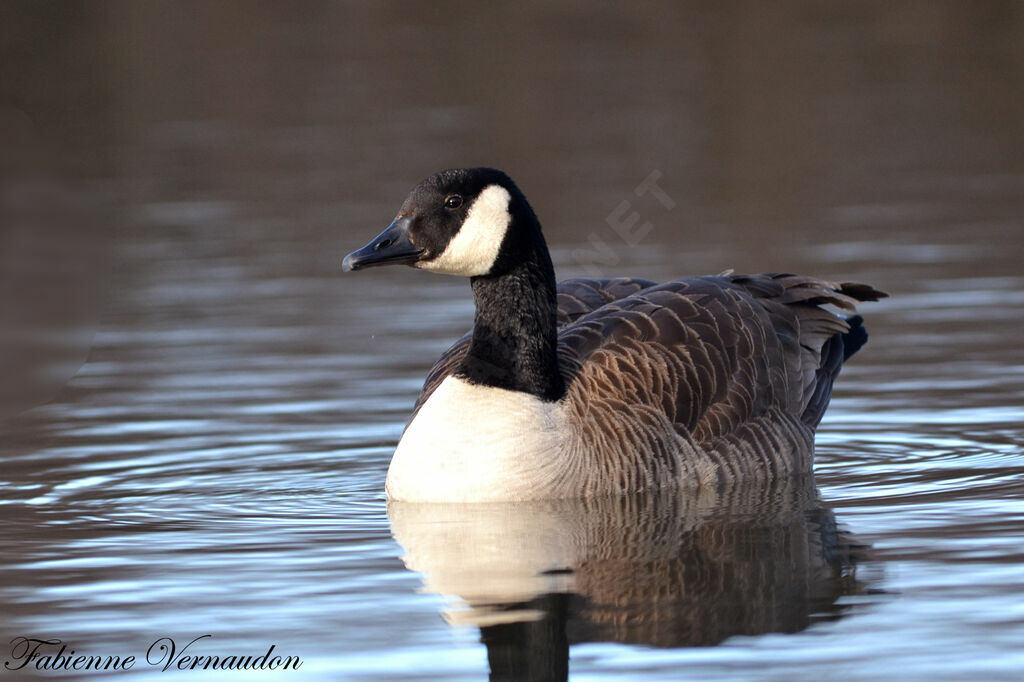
x=603 y=386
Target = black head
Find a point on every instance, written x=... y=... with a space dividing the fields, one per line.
x=465 y=221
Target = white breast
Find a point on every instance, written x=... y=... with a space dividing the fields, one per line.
x=471 y=443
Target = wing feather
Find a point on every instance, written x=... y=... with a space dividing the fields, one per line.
x=714 y=353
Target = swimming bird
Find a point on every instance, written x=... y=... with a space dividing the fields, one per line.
x=603 y=386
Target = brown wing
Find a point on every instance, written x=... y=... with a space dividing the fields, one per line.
x=713 y=353
x=576 y=298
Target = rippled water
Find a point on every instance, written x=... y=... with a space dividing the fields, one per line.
x=217 y=465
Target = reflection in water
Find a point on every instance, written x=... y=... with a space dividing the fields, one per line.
x=662 y=569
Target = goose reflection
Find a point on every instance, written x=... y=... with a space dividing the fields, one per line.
x=667 y=569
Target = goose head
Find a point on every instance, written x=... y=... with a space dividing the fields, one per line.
x=472 y=222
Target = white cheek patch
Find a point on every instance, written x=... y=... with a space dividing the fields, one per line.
x=475 y=247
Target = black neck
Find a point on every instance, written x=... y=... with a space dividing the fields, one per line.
x=515 y=333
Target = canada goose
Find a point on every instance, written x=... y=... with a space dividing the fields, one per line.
x=602 y=386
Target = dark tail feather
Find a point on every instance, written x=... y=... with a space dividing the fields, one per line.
x=856 y=337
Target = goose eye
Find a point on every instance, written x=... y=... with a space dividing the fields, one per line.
x=453 y=201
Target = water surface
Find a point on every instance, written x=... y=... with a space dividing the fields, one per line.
x=194 y=174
